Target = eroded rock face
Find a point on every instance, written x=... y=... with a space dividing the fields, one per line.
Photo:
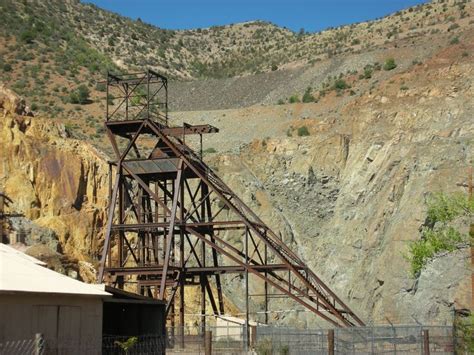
x=351 y=198
x=12 y=104
x=56 y=182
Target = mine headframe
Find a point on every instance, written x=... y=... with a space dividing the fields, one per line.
x=172 y=222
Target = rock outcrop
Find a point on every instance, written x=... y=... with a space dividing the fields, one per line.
x=55 y=181
x=351 y=197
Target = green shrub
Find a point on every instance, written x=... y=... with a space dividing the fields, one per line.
x=100 y=87
x=7 y=67
x=368 y=72
x=307 y=96
x=80 y=95
x=27 y=36
x=303 y=131
x=389 y=64
x=264 y=347
x=281 y=102
x=209 y=150
x=444 y=208
x=293 y=99
x=455 y=40
x=284 y=350
x=438 y=235
x=433 y=242
x=464 y=332
x=127 y=345
x=340 y=84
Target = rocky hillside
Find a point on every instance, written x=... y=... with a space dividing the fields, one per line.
x=349 y=191
x=55 y=55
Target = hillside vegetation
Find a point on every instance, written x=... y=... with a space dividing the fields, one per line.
x=56 y=53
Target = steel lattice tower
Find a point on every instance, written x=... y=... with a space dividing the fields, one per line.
x=168 y=209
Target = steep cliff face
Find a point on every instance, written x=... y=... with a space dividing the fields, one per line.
x=351 y=196
x=55 y=181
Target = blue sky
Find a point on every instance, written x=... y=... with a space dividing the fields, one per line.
x=312 y=15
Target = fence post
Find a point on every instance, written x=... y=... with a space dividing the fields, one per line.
x=426 y=342
x=253 y=336
x=39 y=344
x=207 y=342
x=331 y=342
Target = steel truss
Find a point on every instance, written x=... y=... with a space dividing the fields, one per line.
x=169 y=215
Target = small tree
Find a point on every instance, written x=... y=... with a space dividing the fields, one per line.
x=389 y=64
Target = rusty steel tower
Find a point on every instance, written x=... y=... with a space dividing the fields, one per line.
x=168 y=213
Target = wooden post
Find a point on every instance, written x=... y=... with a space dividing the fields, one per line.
x=39 y=344
x=426 y=342
x=331 y=342
x=253 y=337
x=208 y=342
x=471 y=233
x=2 y=211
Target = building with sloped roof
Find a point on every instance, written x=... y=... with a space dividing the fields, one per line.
x=33 y=299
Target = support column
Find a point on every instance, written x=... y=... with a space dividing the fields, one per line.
x=203 y=304
x=2 y=219
x=331 y=342
x=426 y=342
x=247 y=330
x=121 y=196
x=266 y=286
x=181 y=256
x=203 y=278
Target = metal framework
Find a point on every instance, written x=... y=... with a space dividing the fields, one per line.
x=170 y=216
x=4 y=217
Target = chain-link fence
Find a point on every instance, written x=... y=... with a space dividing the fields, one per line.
x=192 y=340
x=356 y=340
x=131 y=345
x=23 y=347
x=261 y=340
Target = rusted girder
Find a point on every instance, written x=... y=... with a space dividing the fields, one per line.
x=168 y=208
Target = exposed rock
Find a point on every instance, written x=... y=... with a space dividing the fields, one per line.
x=12 y=104
x=56 y=182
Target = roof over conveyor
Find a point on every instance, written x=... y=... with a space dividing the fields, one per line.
x=130 y=127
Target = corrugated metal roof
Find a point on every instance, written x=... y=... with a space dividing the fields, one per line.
x=152 y=166
x=22 y=273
